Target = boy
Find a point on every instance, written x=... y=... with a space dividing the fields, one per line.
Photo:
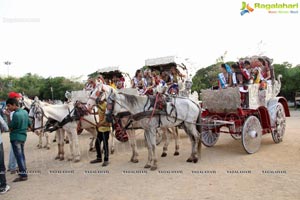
x=18 y=133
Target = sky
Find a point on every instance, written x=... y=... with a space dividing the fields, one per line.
x=73 y=38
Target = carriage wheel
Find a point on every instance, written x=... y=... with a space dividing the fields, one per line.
x=158 y=136
x=280 y=124
x=251 y=134
x=210 y=135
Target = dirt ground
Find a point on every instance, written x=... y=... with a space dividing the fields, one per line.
x=225 y=171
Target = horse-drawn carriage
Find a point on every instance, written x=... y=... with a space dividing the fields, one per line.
x=265 y=113
x=174 y=66
x=113 y=75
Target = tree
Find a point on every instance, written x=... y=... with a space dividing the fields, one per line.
x=34 y=85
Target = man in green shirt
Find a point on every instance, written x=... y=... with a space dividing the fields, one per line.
x=18 y=133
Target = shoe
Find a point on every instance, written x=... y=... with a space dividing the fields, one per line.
x=96 y=161
x=13 y=171
x=105 y=163
x=20 y=179
x=4 y=190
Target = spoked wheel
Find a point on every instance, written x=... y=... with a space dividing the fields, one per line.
x=280 y=123
x=210 y=134
x=158 y=136
x=251 y=134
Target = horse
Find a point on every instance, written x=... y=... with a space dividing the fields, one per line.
x=40 y=121
x=179 y=111
x=64 y=118
x=102 y=91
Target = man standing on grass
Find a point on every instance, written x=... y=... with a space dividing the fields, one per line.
x=18 y=133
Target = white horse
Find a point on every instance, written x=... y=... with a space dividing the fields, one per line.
x=181 y=111
x=103 y=91
x=38 y=121
x=63 y=115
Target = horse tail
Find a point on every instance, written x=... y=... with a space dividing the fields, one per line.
x=198 y=127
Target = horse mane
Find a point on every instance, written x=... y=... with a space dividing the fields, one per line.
x=131 y=99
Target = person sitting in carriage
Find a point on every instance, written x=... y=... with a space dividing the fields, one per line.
x=165 y=82
x=239 y=80
x=175 y=76
x=224 y=77
x=149 y=88
x=137 y=78
x=156 y=78
x=120 y=85
x=141 y=87
x=90 y=85
x=258 y=78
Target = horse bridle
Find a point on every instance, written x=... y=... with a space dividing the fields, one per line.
x=38 y=113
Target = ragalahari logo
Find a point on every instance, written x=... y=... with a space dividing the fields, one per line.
x=245 y=8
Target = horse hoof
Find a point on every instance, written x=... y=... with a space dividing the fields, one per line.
x=91 y=149
x=164 y=154
x=112 y=151
x=67 y=142
x=56 y=158
x=76 y=160
x=153 y=168
x=195 y=160
x=70 y=159
x=134 y=160
x=189 y=160
x=147 y=166
x=48 y=148
x=61 y=159
x=176 y=154
x=53 y=140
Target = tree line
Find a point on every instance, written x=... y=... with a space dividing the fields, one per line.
x=33 y=85
x=290 y=83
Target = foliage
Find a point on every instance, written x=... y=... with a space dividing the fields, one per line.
x=34 y=85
